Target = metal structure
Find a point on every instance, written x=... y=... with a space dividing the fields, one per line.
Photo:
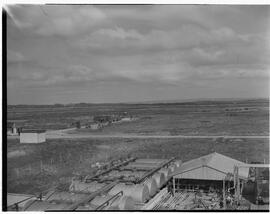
x=90 y=197
x=148 y=174
x=106 y=203
x=107 y=171
x=16 y=205
x=237 y=180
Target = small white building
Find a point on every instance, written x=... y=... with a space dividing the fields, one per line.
x=94 y=126
x=11 y=129
x=126 y=119
x=33 y=136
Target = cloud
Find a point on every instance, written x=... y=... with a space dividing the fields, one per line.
x=37 y=75
x=187 y=36
x=85 y=46
x=15 y=57
x=56 y=20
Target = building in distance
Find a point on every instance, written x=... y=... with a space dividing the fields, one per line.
x=33 y=136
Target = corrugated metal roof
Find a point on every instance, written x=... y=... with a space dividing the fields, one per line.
x=214 y=166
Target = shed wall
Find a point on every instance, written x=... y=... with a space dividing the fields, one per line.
x=29 y=138
x=32 y=137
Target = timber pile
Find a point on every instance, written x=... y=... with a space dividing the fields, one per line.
x=154 y=201
x=164 y=199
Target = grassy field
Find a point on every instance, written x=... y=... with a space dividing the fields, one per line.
x=35 y=168
x=153 y=119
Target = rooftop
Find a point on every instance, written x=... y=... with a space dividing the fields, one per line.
x=213 y=166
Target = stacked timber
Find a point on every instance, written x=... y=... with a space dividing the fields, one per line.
x=139 y=193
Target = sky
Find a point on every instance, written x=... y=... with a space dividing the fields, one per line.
x=134 y=53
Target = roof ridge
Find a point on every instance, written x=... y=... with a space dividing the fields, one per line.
x=208 y=158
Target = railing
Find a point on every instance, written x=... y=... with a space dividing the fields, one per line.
x=16 y=205
x=112 y=168
x=154 y=170
x=106 y=203
x=90 y=197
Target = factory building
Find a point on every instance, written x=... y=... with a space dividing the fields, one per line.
x=150 y=184
x=126 y=185
x=32 y=136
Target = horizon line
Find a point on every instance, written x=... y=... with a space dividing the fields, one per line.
x=148 y=101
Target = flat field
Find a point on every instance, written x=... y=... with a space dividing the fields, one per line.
x=190 y=118
x=35 y=168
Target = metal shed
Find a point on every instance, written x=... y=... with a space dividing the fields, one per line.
x=33 y=136
x=206 y=171
x=214 y=166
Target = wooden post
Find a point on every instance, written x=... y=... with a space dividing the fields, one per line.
x=238 y=184
x=224 y=200
x=241 y=190
x=173 y=186
x=234 y=177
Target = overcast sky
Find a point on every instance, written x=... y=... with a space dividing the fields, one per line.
x=68 y=54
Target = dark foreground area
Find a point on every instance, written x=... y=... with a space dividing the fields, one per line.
x=35 y=168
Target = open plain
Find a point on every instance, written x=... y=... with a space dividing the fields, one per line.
x=160 y=131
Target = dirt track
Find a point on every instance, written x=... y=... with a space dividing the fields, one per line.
x=74 y=136
x=62 y=134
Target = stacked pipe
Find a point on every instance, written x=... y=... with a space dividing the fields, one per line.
x=139 y=193
x=159 y=178
x=119 y=203
x=152 y=186
x=167 y=173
